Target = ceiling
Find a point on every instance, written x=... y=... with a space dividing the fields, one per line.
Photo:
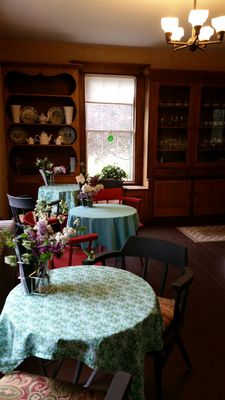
x=103 y=22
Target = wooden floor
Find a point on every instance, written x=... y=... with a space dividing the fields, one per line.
x=203 y=332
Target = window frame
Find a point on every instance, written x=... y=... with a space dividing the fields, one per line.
x=140 y=72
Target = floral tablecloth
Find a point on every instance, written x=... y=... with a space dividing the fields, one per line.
x=67 y=192
x=104 y=316
x=112 y=222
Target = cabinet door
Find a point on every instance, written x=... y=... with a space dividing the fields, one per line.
x=171 y=198
x=172 y=125
x=211 y=138
x=209 y=197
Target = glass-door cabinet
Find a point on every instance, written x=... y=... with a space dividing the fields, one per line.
x=211 y=138
x=173 y=123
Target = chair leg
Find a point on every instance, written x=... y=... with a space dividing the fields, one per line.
x=91 y=377
x=158 y=375
x=78 y=370
x=183 y=352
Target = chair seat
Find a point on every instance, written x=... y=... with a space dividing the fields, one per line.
x=24 y=386
x=167 y=310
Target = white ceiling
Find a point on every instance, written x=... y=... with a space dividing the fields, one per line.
x=108 y=22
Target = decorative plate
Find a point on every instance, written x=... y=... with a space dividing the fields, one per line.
x=55 y=115
x=68 y=135
x=28 y=114
x=18 y=135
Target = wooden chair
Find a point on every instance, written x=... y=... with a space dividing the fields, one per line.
x=76 y=242
x=19 y=205
x=167 y=262
x=30 y=217
x=24 y=386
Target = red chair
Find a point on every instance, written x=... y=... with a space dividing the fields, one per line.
x=117 y=194
x=108 y=194
x=30 y=219
x=75 y=243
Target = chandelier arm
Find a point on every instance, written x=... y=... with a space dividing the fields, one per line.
x=177 y=47
x=178 y=43
x=210 y=42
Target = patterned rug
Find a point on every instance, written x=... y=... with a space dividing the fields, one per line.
x=211 y=233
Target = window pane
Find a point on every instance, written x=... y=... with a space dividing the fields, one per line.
x=109 y=117
x=105 y=148
x=109 y=89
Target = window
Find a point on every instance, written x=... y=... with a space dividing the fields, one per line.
x=110 y=122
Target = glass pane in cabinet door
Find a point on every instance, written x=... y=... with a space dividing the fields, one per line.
x=211 y=142
x=173 y=117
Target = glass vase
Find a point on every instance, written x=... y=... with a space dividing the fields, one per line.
x=87 y=202
x=40 y=280
x=48 y=179
x=34 y=280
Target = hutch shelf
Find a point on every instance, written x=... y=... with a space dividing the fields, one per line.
x=41 y=94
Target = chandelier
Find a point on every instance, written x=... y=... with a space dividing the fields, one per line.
x=200 y=34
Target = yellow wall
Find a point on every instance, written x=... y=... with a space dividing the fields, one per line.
x=60 y=53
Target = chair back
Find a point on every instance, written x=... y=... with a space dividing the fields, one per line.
x=167 y=264
x=163 y=251
x=19 y=205
x=164 y=263
x=108 y=194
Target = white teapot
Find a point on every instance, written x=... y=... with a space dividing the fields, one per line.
x=43 y=138
x=43 y=119
x=30 y=140
x=59 y=140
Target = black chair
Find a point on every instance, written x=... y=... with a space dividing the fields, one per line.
x=22 y=209
x=24 y=386
x=19 y=205
x=167 y=262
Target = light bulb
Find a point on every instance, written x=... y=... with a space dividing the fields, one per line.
x=169 y=24
x=205 y=33
x=218 y=24
x=198 y=17
x=177 y=33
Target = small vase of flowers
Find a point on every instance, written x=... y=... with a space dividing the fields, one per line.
x=34 y=250
x=88 y=188
x=48 y=171
x=87 y=193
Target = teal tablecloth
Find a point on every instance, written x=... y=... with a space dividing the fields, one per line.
x=112 y=222
x=67 y=192
x=105 y=316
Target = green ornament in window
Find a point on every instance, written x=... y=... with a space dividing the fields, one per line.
x=110 y=138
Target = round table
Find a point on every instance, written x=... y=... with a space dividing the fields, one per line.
x=112 y=222
x=104 y=316
x=67 y=192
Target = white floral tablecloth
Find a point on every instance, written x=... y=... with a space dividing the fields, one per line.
x=67 y=192
x=104 y=316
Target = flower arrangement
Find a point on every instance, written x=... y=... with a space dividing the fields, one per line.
x=38 y=244
x=87 y=186
x=87 y=192
x=43 y=209
x=47 y=169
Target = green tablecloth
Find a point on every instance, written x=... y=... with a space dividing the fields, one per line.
x=67 y=192
x=112 y=222
x=105 y=316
